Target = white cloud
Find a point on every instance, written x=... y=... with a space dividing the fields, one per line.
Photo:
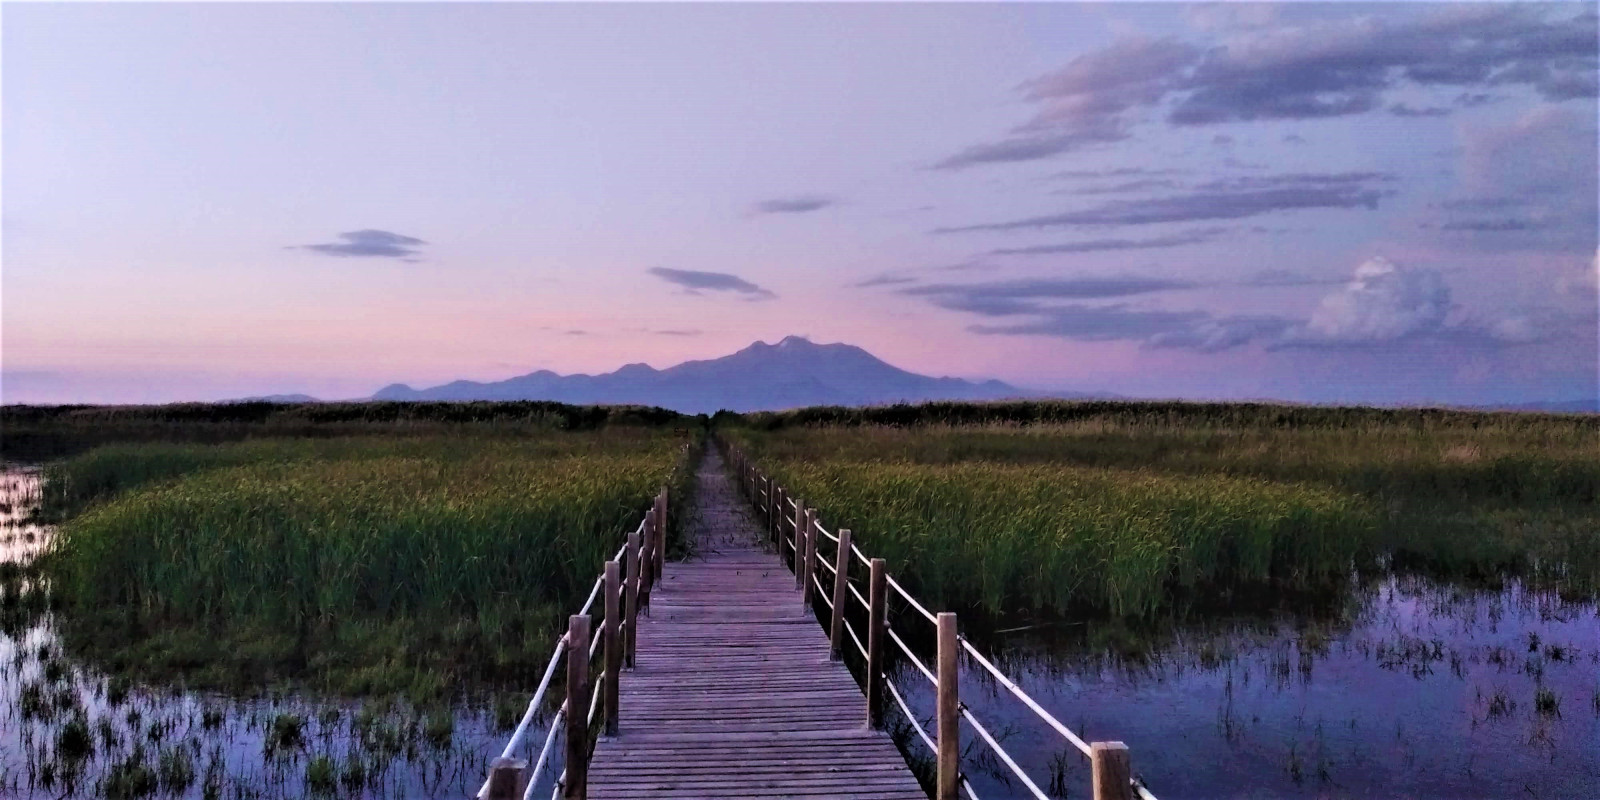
x=1384 y=302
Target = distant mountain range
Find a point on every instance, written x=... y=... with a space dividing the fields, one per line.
x=794 y=372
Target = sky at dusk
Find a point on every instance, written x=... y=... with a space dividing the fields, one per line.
x=1325 y=202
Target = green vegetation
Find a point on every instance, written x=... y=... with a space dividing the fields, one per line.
x=35 y=433
x=366 y=564
x=1127 y=508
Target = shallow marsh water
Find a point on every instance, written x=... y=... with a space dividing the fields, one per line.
x=69 y=730
x=1411 y=690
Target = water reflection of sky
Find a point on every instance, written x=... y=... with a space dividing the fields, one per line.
x=228 y=752
x=1396 y=697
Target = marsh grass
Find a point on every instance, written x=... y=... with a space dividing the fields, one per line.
x=1127 y=508
x=363 y=565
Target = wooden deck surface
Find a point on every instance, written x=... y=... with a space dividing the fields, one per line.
x=733 y=694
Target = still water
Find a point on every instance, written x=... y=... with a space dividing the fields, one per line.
x=69 y=730
x=1412 y=690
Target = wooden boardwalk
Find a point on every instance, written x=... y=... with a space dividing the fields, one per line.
x=733 y=693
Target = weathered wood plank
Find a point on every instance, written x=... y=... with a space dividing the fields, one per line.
x=734 y=691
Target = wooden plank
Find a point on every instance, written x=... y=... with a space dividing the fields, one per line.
x=734 y=690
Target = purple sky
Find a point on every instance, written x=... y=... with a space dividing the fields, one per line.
x=1320 y=202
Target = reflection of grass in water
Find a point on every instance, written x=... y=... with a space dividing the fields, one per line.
x=1546 y=702
x=156 y=745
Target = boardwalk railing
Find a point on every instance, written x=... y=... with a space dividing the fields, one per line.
x=796 y=532
x=622 y=588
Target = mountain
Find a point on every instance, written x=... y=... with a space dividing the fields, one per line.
x=792 y=373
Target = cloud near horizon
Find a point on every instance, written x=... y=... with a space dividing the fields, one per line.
x=1382 y=304
x=695 y=282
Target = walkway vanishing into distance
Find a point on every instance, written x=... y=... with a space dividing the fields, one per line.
x=734 y=689
x=733 y=693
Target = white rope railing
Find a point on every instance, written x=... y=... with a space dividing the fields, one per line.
x=1023 y=696
x=544 y=754
x=905 y=709
x=822 y=593
x=912 y=657
x=593 y=593
x=857 y=593
x=1001 y=752
x=824 y=531
x=894 y=584
x=857 y=639
x=533 y=705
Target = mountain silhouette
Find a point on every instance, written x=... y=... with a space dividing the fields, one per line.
x=793 y=373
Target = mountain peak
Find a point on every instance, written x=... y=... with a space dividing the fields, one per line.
x=791 y=373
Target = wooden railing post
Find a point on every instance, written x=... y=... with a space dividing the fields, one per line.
x=841 y=595
x=948 y=710
x=630 y=601
x=577 y=783
x=799 y=542
x=1113 y=772
x=876 y=621
x=613 y=645
x=777 y=520
x=812 y=535
x=508 y=779
x=661 y=534
x=772 y=505
x=647 y=561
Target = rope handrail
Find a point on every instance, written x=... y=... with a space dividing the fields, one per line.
x=1023 y=696
x=928 y=673
x=594 y=699
x=533 y=705
x=857 y=639
x=823 y=562
x=544 y=753
x=857 y=593
x=1001 y=752
x=821 y=592
x=593 y=593
x=825 y=534
x=905 y=709
x=894 y=584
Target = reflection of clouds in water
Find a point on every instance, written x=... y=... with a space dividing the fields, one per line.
x=1406 y=687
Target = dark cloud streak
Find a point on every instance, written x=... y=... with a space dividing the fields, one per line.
x=369 y=243
x=695 y=281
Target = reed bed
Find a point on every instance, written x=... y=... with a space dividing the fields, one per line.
x=1129 y=509
x=370 y=564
